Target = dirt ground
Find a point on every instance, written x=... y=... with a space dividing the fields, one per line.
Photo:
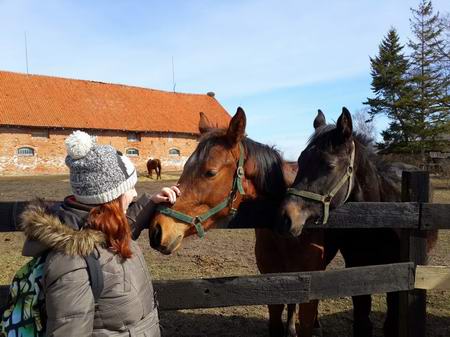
x=221 y=253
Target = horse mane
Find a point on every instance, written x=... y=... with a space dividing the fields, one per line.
x=269 y=178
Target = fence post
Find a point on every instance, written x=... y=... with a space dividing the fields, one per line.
x=415 y=187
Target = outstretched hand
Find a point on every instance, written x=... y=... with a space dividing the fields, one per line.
x=167 y=194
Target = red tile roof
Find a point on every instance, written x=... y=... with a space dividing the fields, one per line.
x=43 y=101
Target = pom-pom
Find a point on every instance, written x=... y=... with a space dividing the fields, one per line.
x=78 y=144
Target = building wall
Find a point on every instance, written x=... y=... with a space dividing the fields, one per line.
x=50 y=152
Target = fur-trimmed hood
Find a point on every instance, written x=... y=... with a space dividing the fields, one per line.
x=44 y=230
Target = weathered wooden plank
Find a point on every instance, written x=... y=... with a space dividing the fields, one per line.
x=351 y=215
x=374 y=215
x=435 y=216
x=362 y=215
x=432 y=277
x=362 y=280
x=279 y=288
x=233 y=291
x=9 y=215
x=413 y=307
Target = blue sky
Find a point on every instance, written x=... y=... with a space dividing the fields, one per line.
x=279 y=60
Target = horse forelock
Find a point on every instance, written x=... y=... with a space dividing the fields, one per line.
x=320 y=134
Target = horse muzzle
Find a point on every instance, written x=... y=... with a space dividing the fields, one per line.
x=166 y=236
x=292 y=219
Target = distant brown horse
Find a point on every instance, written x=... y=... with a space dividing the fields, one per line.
x=154 y=164
x=228 y=172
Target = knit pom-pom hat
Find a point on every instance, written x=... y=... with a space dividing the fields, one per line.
x=98 y=173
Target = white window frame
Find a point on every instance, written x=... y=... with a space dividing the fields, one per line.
x=25 y=151
x=132 y=149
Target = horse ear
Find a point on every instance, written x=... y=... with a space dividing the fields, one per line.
x=236 y=128
x=319 y=120
x=204 y=125
x=344 y=124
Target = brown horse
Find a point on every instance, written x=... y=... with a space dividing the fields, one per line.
x=154 y=164
x=339 y=165
x=210 y=192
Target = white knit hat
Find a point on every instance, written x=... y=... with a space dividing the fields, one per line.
x=98 y=173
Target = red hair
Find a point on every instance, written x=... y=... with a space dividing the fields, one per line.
x=111 y=220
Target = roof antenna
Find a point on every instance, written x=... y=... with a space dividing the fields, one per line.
x=26 y=51
x=173 y=76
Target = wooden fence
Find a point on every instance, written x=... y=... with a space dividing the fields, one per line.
x=413 y=216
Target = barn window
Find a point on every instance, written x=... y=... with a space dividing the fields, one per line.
x=25 y=151
x=133 y=137
x=174 y=152
x=132 y=152
x=43 y=133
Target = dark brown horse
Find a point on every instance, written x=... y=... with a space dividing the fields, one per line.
x=154 y=164
x=340 y=165
x=210 y=184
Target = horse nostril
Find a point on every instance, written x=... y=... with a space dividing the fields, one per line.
x=155 y=236
x=285 y=223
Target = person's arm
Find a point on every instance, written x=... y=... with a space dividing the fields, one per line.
x=69 y=300
x=140 y=212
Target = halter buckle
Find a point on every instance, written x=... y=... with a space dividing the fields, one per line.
x=240 y=172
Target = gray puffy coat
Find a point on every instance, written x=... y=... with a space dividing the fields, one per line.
x=126 y=306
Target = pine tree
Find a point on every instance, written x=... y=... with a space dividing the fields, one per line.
x=428 y=77
x=392 y=94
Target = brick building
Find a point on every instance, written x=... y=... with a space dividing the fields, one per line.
x=38 y=112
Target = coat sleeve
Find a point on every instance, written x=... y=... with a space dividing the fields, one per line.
x=69 y=300
x=139 y=214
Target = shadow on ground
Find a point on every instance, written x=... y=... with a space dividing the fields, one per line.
x=189 y=324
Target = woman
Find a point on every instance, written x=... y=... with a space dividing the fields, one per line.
x=94 y=221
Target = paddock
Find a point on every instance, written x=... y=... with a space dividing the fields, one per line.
x=230 y=253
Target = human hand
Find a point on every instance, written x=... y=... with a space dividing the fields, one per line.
x=167 y=194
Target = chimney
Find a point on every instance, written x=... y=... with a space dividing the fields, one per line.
x=211 y=94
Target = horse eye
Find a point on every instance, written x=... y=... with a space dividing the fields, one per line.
x=210 y=173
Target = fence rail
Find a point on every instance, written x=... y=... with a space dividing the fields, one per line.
x=279 y=288
x=404 y=215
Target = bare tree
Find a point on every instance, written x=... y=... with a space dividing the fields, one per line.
x=363 y=123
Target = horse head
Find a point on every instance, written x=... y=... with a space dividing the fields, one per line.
x=212 y=185
x=325 y=177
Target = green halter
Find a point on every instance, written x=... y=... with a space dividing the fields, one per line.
x=197 y=221
x=326 y=199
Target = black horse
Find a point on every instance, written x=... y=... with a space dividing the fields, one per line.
x=339 y=165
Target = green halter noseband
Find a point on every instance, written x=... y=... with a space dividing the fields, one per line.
x=197 y=221
x=326 y=199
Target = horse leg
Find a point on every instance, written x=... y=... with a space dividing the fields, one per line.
x=276 y=328
x=362 y=326
x=391 y=328
x=290 y=331
x=307 y=316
